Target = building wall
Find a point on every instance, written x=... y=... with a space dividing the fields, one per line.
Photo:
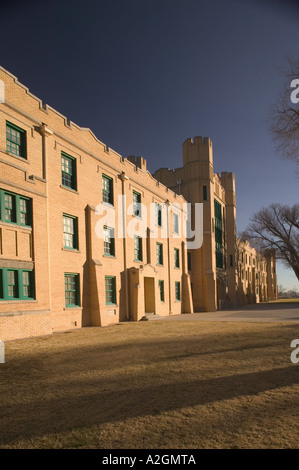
x=36 y=250
x=234 y=283
x=40 y=247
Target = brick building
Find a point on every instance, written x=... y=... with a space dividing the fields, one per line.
x=64 y=263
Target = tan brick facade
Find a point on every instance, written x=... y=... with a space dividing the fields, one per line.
x=54 y=177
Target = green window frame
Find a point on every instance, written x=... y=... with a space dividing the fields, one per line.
x=70 y=232
x=177 y=291
x=16 y=140
x=161 y=290
x=68 y=171
x=109 y=241
x=110 y=290
x=107 y=189
x=17 y=284
x=218 y=234
x=71 y=289
x=176 y=257
x=158 y=214
x=175 y=223
x=136 y=204
x=137 y=248
x=159 y=248
x=15 y=209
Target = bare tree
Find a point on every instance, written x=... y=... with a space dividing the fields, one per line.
x=277 y=226
x=284 y=115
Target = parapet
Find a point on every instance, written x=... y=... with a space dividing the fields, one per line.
x=197 y=149
x=139 y=162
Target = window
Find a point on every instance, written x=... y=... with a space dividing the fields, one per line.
x=68 y=171
x=175 y=223
x=176 y=258
x=27 y=284
x=177 y=291
x=12 y=284
x=24 y=211
x=136 y=204
x=107 y=189
x=161 y=289
x=10 y=208
x=15 y=140
x=231 y=261
x=204 y=193
x=160 y=254
x=16 y=284
x=109 y=245
x=218 y=235
x=110 y=290
x=158 y=215
x=137 y=248
x=189 y=261
x=15 y=209
x=71 y=282
x=70 y=232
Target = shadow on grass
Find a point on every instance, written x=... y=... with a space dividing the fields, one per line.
x=70 y=388
x=39 y=417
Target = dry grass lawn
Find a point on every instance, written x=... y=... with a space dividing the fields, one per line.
x=147 y=385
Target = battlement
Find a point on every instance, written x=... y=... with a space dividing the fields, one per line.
x=228 y=181
x=139 y=162
x=197 y=149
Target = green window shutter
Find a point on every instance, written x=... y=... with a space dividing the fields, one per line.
x=158 y=215
x=12 y=284
x=137 y=248
x=177 y=291
x=16 y=140
x=176 y=223
x=136 y=204
x=15 y=209
x=72 y=295
x=68 y=171
x=176 y=258
x=159 y=247
x=110 y=290
x=218 y=234
x=109 y=241
x=70 y=232
x=161 y=289
x=107 y=189
x=1 y=285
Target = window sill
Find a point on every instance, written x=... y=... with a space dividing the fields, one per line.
x=18 y=301
x=111 y=305
x=109 y=256
x=9 y=224
x=69 y=189
x=20 y=159
x=71 y=250
x=138 y=261
x=108 y=204
x=73 y=307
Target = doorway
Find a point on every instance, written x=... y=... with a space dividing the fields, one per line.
x=149 y=295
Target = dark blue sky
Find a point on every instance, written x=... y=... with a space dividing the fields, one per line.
x=145 y=75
